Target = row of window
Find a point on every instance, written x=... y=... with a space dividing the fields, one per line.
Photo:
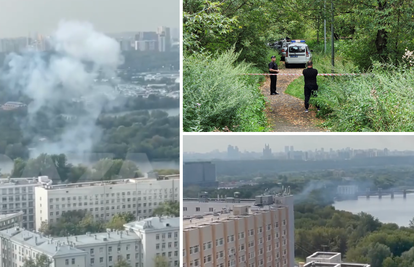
x=23 y=190
x=128 y=193
x=163 y=245
x=102 y=208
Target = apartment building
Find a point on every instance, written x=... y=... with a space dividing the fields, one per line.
x=138 y=244
x=18 y=195
x=105 y=199
x=11 y=220
x=160 y=236
x=328 y=259
x=243 y=235
x=17 y=245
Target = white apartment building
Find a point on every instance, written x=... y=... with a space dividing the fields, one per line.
x=11 y=220
x=17 y=245
x=18 y=195
x=243 y=235
x=138 y=244
x=160 y=237
x=105 y=199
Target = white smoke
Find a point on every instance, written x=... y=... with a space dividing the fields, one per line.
x=81 y=55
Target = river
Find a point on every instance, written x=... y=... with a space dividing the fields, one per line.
x=387 y=210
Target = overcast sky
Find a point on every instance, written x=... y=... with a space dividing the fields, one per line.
x=209 y=143
x=19 y=17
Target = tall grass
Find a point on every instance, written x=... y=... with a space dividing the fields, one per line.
x=378 y=102
x=217 y=97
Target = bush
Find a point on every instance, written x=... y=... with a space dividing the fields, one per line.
x=216 y=96
x=378 y=102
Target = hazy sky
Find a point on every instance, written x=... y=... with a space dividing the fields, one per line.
x=209 y=143
x=18 y=17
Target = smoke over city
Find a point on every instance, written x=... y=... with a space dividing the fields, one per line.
x=63 y=83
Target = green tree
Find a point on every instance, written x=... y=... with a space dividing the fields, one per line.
x=168 y=208
x=160 y=261
x=122 y=263
x=118 y=221
x=40 y=261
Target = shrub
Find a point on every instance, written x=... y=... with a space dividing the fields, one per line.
x=216 y=96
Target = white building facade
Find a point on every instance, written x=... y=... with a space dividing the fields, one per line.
x=105 y=199
x=160 y=237
x=18 y=195
x=138 y=245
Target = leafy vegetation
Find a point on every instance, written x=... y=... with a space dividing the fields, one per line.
x=221 y=40
x=41 y=260
x=216 y=96
x=57 y=168
x=374 y=37
x=168 y=208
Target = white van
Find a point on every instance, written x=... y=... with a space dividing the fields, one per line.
x=297 y=52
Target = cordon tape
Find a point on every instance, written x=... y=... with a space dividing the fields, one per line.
x=297 y=74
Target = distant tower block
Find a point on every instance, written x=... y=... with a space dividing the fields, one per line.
x=392 y=194
x=368 y=193
x=379 y=193
x=404 y=193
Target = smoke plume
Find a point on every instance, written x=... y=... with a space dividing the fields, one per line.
x=65 y=79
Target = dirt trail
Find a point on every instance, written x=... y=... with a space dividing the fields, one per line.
x=287 y=113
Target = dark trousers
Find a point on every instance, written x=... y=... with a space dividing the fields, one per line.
x=310 y=90
x=273 y=81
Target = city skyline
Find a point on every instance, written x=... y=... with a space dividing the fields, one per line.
x=137 y=17
x=193 y=144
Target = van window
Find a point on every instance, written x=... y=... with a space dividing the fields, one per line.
x=297 y=49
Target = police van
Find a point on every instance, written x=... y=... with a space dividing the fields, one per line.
x=297 y=52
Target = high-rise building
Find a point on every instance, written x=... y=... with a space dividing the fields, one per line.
x=200 y=173
x=146 y=41
x=259 y=234
x=164 y=39
x=267 y=152
x=105 y=199
x=18 y=195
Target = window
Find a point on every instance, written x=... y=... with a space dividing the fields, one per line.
x=91 y=251
x=67 y=261
x=197 y=208
x=73 y=260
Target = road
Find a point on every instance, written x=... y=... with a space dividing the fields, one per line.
x=287 y=113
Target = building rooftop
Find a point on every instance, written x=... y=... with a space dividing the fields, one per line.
x=98 y=238
x=154 y=223
x=330 y=264
x=199 y=221
x=6 y=182
x=40 y=243
x=10 y=215
x=324 y=255
x=131 y=181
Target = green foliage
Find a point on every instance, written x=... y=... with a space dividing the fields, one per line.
x=40 y=261
x=57 y=169
x=129 y=131
x=216 y=96
x=160 y=261
x=76 y=222
x=122 y=263
x=117 y=222
x=168 y=208
x=377 y=102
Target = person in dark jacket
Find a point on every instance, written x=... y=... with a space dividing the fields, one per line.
x=273 y=69
x=311 y=85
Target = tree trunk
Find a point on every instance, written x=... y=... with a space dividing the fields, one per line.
x=382 y=37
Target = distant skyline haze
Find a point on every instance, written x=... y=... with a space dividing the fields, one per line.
x=19 y=18
x=256 y=143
